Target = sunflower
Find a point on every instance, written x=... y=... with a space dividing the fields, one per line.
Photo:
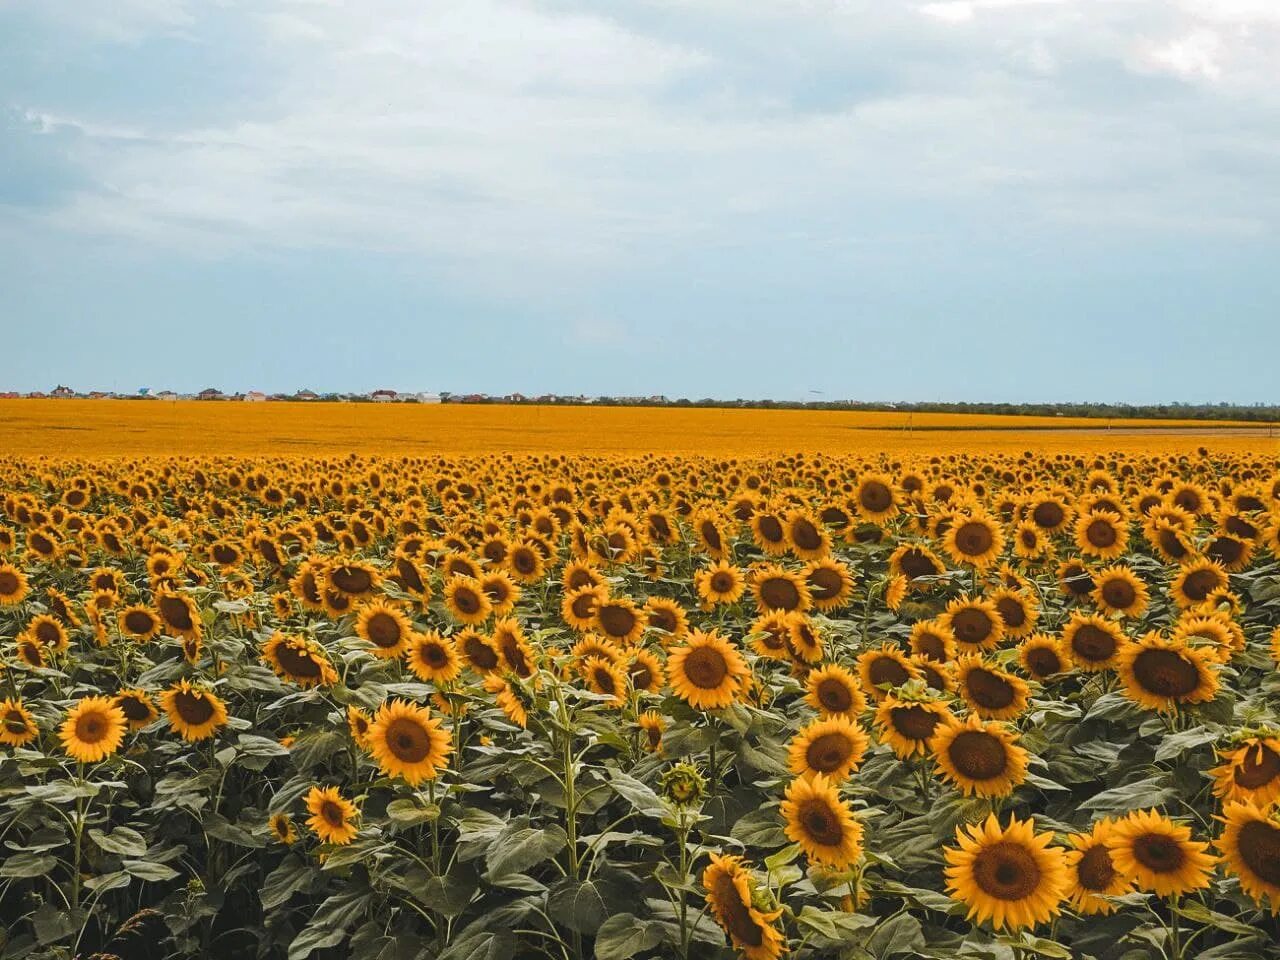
x=706 y=671
x=974 y=622
x=502 y=591
x=508 y=699
x=308 y=584
x=525 y=563
x=1196 y=582
x=578 y=609
x=1075 y=579
x=359 y=722
x=832 y=746
x=17 y=725
x=620 y=620
x=1102 y=534
x=433 y=658
x=708 y=528
x=352 y=579
x=768 y=533
x=1250 y=846
x=180 y=615
x=605 y=677
x=895 y=591
x=195 y=713
x=478 y=652
x=385 y=627
x=281 y=828
x=1117 y=590
x=777 y=589
x=31 y=651
x=806 y=536
x=719 y=584
x=908 y=724
x=735 y=901
x=1092 y=642
x=821 y=823
x=138 y=708
x=645 y=672
x=875 y=498
x=1171 y=542
x=466 y=601
x=668 y=617
x=332 y=816
x=929 y=638
x=1093 y=875
x=93 y=730
x=915 y=562
x=1159 y=855
x=49 y=631
x=1250 y=771
x=1009 y=876
x=1050 y=513
x=975 y=540
x=830 y=583
x=834 y=692
x=884 y=667
x=991 y=693
x=407 y=742
x=1163 y=674
x=509 y=640
x=652 y=726
x=1017 y=611
x=980 y=757
x=1030 y=542
x=1041 y=656
x=299 y=660
x=802 y=639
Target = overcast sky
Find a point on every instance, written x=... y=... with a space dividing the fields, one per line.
x=962 y=200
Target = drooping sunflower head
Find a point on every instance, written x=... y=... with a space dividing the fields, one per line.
x=735 y=902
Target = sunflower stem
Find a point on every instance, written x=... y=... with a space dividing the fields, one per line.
x=1175 y=928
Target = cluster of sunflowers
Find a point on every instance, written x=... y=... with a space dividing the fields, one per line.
x=964 y=706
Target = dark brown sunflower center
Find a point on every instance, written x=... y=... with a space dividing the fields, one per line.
x=978 y=755
x=770 y=529
x=333 y=814
x=583 y=606
x=176 y=613
x=973 y=539
x=1011 y=611
x=407 y=740
x=9 y=584
x=1259 y=848
x=932 y=646
x=916 y=563
x=828 y=752
x=91 y=727
x=604 y=680
x=1048 y=515
x=433 y=655
x=1006 y=871
x=1101 y=533
x=1166 y=673
x=721 y=582
x=1172 y=544
x=779 y=593
x=805 y=535
x=972 y=625
x=706 y=667
x=297 y=663
x=834 y=695
x=875 y=496
x=914 y=723
x=641 y=675
x=15 y=722
x=1119 y=594
x=1159 y=853
x=989 y=690
x=821 y=823
x=524 y=560
x=1043 y=661
x=887 y=670
x=480 y=653
x=193 y=708
x=1095 y=869
x=383 y=630
x=1200 y=583
x=662 y=620
x=617 y=621
x=134 y=708
x=1261 y=765
x=825 y=583
x=1225 y=550
x=466 y=600
x=1093 y=643
x=1077 y=580
x=351 y=579
x=736 y=914
x=138 y=621
x=711 y=535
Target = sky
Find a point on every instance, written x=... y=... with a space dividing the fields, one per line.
x=986 y=200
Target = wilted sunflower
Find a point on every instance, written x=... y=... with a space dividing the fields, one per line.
x=777 y=589
x=1008 y=876
x=1092 y=873
x=734 y=900
x=332 y=816
x=17 y=725
x=138 y=708
x=1092 y=642
x=821 y=823
x=433 y=658
x=619 y=619
x=1250 y=771
x=282 y=829
x=466 y=601
x=407 y=742
x=299 y=660
x=386 y=627
x=652 y=726
x=980 y=757
x=1163 y=674
x=93 y=730
x=706 y=671
x=991 y=693
x=1041 y=656
x=720 y=583
x=1159 y=855
x=1250 y=846
x=834 y=692
x=975 y=540
x=831 y=746
x=195 y=713
x=883 y=668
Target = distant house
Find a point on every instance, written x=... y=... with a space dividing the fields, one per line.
x=210 y=393
x=255 y=396
x=306 y=395
x=422 y=397
x=383 y=396
x=166 y=395
x=37 y=395
x=10 y=395
x=62 y=393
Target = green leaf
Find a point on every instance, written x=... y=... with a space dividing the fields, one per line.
x=220 y=828
x=117 y=880
x=1151 y=792
x=63 y=791
x=624 y=935
x=835 y=925
x=481 y=945
x=408 y=813
x=578 y=905
x=52 y=924
x=149 y=870
x=897 y=935
x=1177 y=744
x=252 y=745
x=518 y=848
x=28 y=865
x=122 y=840
x=284 y=881
x=330 y=923
x=638 y=794
x=760 y=828
x=1198 y=912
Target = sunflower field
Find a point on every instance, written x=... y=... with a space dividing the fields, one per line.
x=989 y=705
